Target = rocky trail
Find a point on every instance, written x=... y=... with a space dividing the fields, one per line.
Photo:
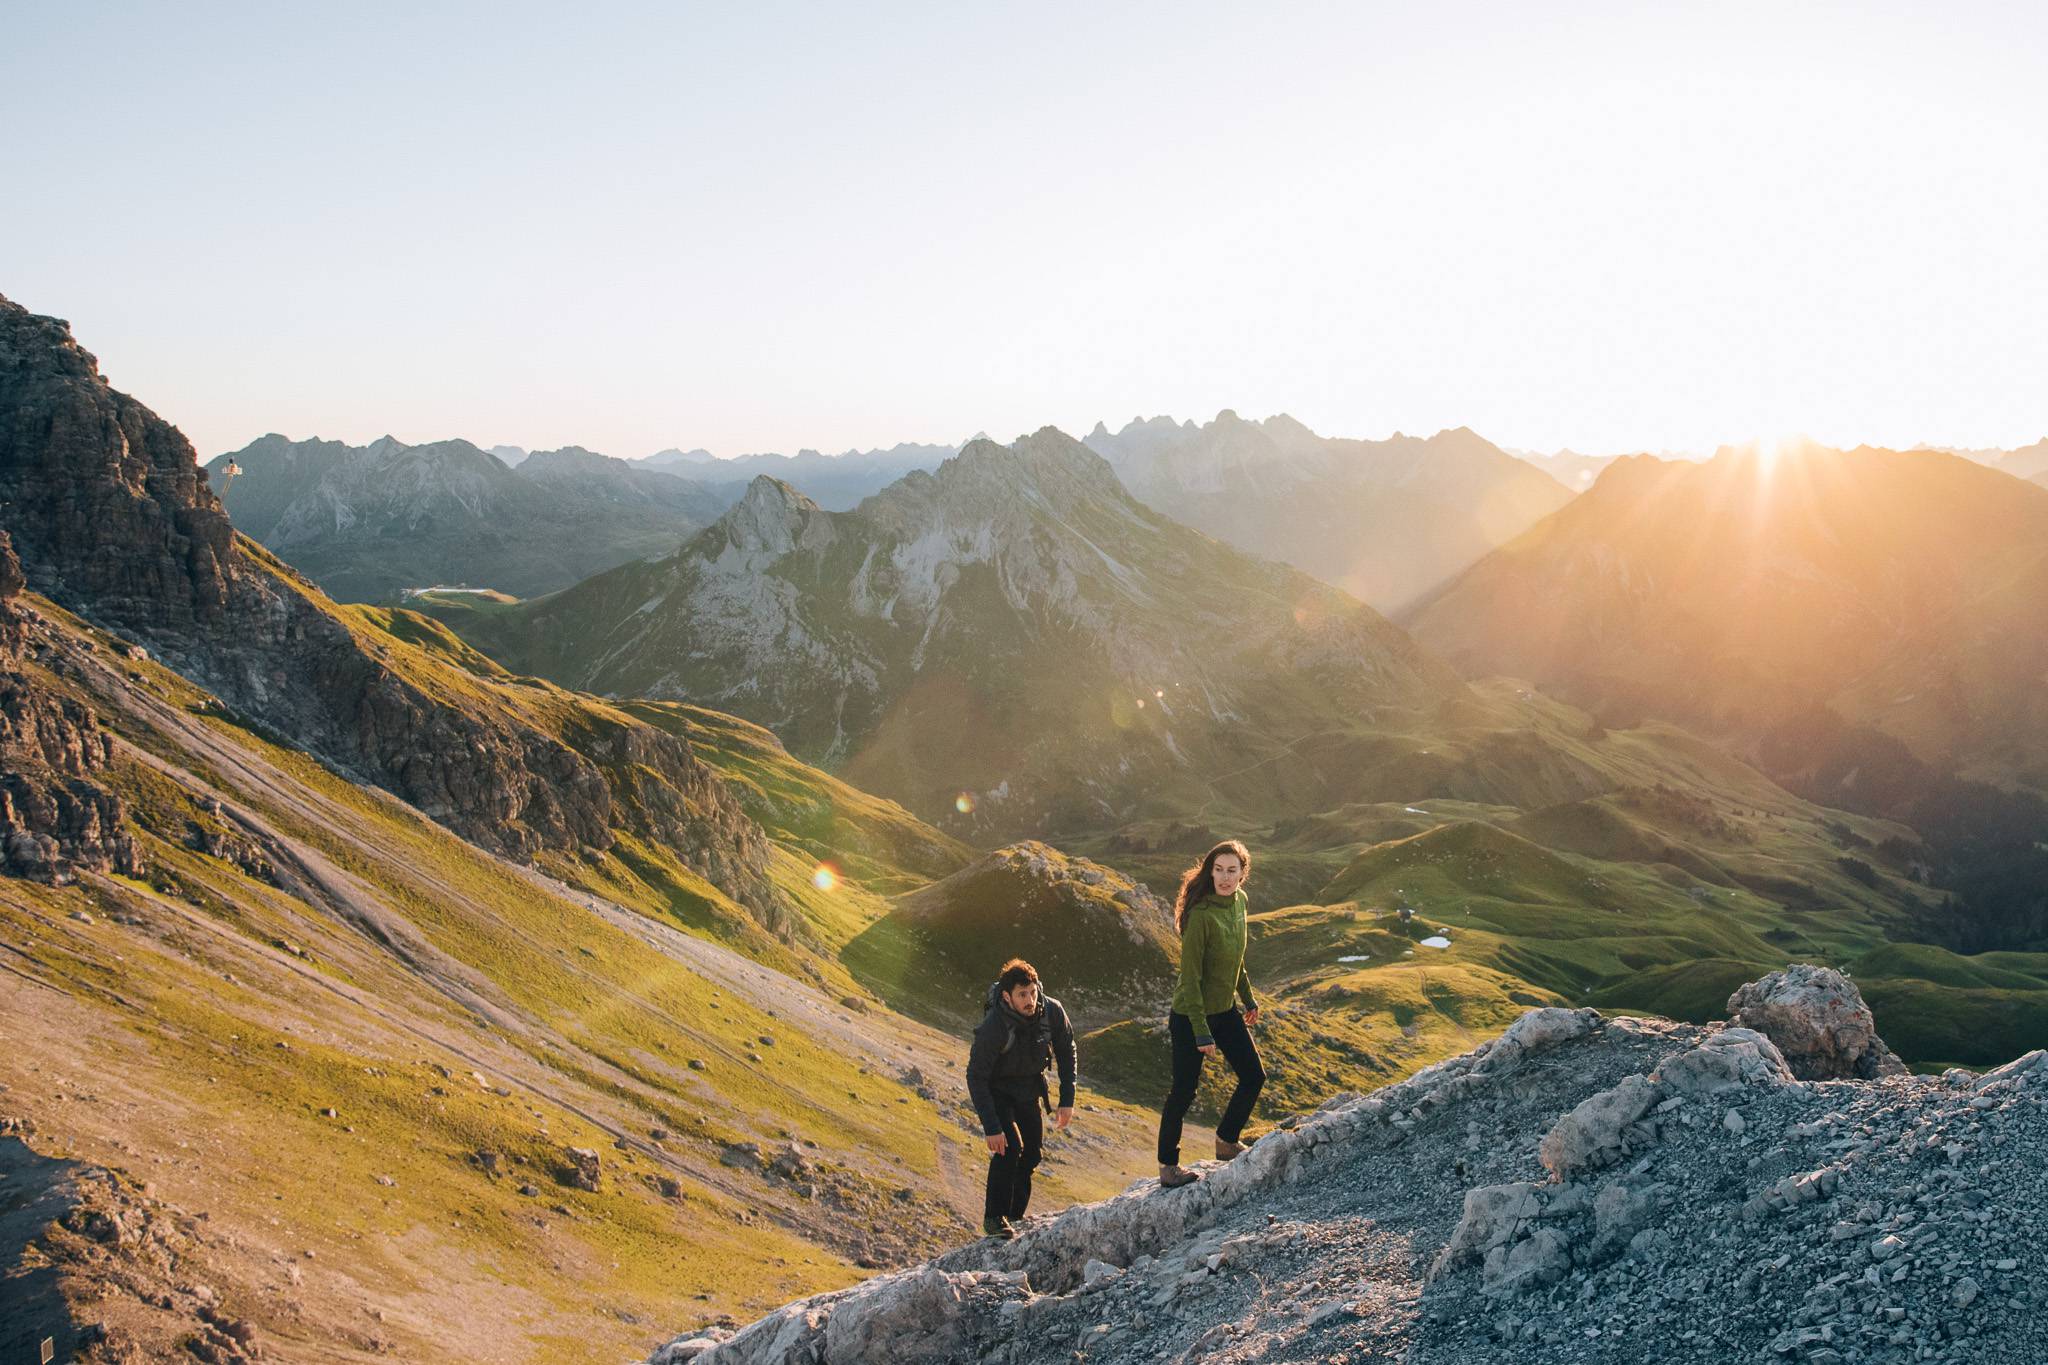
x=1581 y=1189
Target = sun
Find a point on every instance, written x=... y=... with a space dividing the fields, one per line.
x=1773 y=450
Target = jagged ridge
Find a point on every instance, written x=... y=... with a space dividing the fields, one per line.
x=365 y=522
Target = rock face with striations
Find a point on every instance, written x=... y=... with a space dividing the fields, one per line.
x=113 y=519
x=1576 y=1190
x=54 y=819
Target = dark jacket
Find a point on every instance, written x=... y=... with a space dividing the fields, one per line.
x=1011 y=1052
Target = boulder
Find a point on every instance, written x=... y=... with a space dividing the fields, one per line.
x=1729 y=1060
x=583 y=1168
x=1818 y=1020
x=1594 y=1133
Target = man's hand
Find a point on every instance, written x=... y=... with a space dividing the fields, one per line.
x=1064 y=1116
x=998 y=1143
x=1206 y=1049
x=1251 y=1016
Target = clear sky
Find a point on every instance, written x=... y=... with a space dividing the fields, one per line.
x=761 y=227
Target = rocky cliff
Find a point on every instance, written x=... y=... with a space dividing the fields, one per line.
x=54 y=819
x=1579 y=1189
x=113 y=519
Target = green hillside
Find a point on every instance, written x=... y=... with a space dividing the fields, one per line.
x=389 y=1041
x=1669 y=875
x=1102 y=944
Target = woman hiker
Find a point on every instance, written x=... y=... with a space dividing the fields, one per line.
x=1210 y=915
x=1022 y=1034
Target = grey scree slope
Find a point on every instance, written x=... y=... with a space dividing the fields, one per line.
x=1580 y=1189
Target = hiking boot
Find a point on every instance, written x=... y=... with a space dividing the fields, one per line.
x=1173 y=1177
x=1226 y=1150
x=998 y=1228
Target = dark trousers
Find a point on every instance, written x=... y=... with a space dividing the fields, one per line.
x=1234 y=1041
x=1009 y=1174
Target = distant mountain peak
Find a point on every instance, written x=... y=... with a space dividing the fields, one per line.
x=570 y=460
x=1047 y=462
x=768 y=492
x=768 y=521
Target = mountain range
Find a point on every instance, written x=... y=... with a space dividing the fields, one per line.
x=1012 y=644
x=835 y=482
x=366 y=522
x=1383 y=520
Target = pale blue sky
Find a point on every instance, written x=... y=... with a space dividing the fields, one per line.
x=758 y=227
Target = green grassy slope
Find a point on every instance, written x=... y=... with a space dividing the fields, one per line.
x=1103 y=945
x=337 y=951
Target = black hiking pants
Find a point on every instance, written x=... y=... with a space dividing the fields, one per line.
x=1009 y=1173
x=1234 y=1041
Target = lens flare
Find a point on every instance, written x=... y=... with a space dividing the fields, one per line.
x=964 y=803
x=826 y=877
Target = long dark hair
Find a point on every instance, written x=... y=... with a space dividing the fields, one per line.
x=1200 y=880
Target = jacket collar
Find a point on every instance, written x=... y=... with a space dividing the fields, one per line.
x=1000 y=1002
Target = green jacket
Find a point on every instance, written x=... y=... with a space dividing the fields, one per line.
x=1212 y=959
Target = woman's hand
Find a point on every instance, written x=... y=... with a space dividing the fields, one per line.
x=998 y=1143
x=1251 y=1016
x=1206 y=1049
x=1064 y=1116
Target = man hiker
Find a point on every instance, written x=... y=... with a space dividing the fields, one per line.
x=1022 y=1034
